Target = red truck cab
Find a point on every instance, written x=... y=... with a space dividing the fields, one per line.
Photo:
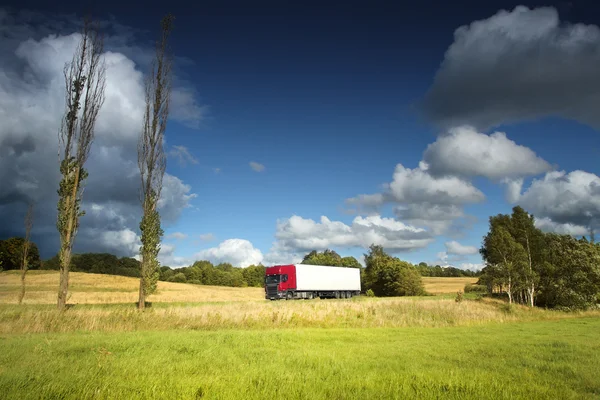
x=279 y=279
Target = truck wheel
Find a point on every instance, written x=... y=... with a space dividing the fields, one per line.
x=310 y=296
x=337 y=295
x=289 y=296
x=348 y=295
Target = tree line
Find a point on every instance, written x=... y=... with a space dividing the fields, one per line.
x=522 y=263
x=535 y=268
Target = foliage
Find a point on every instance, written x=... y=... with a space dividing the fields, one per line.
x=152 y=161
x=150 y=238
x=370 y=293
x=25 y=250
x=224 y=274
x=84 y=97
x=11 y=254
x=532 y=267
x=178 y=277
x=98 y=263
x=570 y=277
x=389 y=276
x=459 y=297
x=444 y=272
x=330 y=258
x=470 y=288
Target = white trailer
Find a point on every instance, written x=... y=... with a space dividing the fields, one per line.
x=309 y=281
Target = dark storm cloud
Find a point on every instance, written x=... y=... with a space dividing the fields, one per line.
x=517 y=66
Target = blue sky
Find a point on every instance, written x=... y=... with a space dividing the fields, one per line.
x=330 y=103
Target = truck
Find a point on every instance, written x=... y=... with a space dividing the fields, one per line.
x=303 y=281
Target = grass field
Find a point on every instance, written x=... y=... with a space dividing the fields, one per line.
x=199 y=342
x=536 y=360
x=42 y=288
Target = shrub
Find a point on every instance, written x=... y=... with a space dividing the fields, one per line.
x=370 y=293
x=178 y=278
x=459 y=297
x=470 y=288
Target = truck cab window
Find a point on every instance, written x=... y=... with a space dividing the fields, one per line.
x=284 y=278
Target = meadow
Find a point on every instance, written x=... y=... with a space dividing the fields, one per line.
x=198 y=342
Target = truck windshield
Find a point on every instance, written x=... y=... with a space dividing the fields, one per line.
x=270 y=279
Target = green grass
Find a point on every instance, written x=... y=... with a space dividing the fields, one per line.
x=528 y=360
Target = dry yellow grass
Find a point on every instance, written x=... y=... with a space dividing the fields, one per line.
x=42 y=288
x=355 y=313
x=446 y=285
x=233 y=308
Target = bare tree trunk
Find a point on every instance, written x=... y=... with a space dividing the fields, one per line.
x=152 y=161
x=85 y=83
x=26 y=244
x=531 y=286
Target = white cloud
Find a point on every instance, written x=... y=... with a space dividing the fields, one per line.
x=279 y=256
x=472 y=266
x=468 y=153
x=421 y=198
x=564 y=198
x=297 y=234
x=418 y=186
x=513 y=189
x=547 y=225
x=514 y=66
x=453 y=247
x=438 y=218
x=256 y=166
x=184 y=107
x=237 y=252
x=183 y=155
x=175 y=196
x=207 y=237
x=177 y=236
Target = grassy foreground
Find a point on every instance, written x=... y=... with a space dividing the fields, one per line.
x=535 y=360
x=202 y=342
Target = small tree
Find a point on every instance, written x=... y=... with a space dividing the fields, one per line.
x=390 y=276
x=85 y=83
x=152 y=161
x=26 y=243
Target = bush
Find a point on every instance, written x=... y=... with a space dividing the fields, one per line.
x=370 y=293
x=178 y=278
x=459 y=297
x=470 y=288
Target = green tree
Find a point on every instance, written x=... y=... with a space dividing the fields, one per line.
x=25 y=250
x=350 y=262
x=502 y=251
x=254 y=275
x=11 y=254
x=152 y=160
x=570 y=277
x=389 y=276
x=327 y=257
x=85 y=83
x=531 y=240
